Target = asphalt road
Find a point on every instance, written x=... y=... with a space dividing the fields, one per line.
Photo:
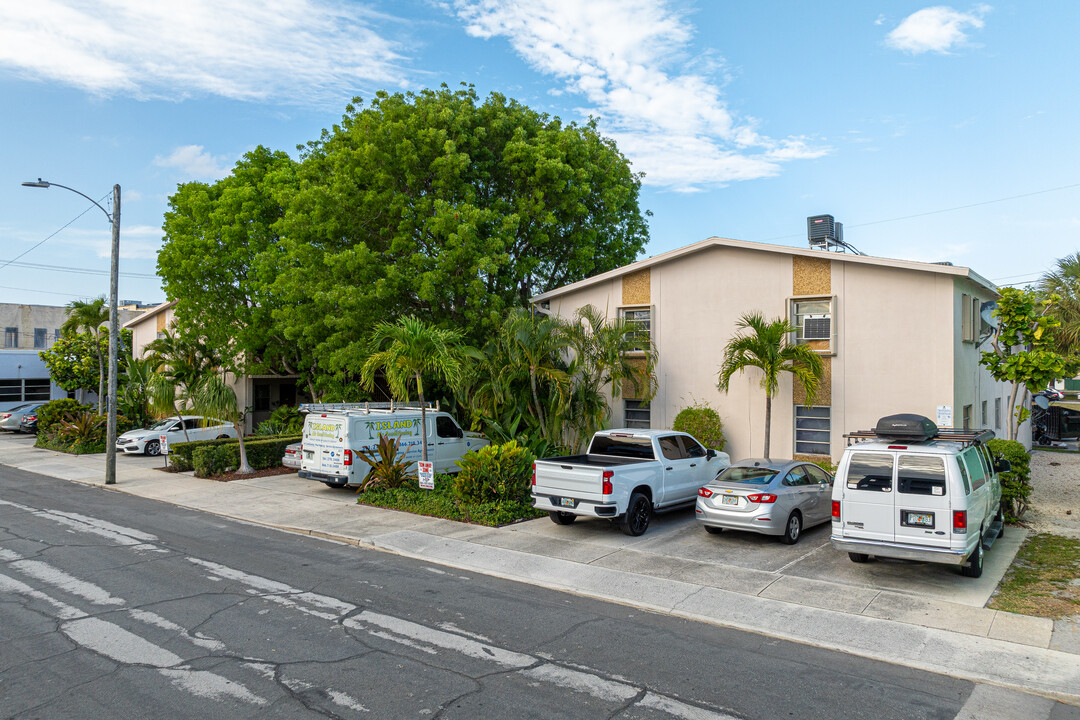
x=115 y=606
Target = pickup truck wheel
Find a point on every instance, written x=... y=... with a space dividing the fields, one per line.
x=1001 y=518
x=153 y=447
x=638 y=514
x=974 y=566
x=713 y=530
x=858 y=557
x=562 y=518
x=793 y=530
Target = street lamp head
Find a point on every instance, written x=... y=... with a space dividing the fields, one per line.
x=39 y=184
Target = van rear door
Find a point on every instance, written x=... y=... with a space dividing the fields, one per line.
x=867 y=508
x=922 y=500
x=324 y=445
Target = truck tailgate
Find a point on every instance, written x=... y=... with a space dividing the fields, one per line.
x=553 y=478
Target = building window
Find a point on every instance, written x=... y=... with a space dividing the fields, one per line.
x=970 y=318
x=636 y=414
x=11 y=337
x=20 y=389
x=997 y=413
x=262 y=398
x=967 y=417
x=812 y=318
x=983 y=424
x=56 y=334
x=640 y=317
x=41 y=337
x=812 y=430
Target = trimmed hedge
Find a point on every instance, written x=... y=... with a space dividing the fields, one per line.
x=1015 y=485
x=702 y=422
x=495 y=474
x=181 y=454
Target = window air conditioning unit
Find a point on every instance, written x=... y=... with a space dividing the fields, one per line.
x=817 y=327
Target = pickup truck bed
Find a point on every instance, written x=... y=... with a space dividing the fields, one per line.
x=594 y=460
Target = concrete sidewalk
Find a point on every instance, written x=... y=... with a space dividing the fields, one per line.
x=934 y=634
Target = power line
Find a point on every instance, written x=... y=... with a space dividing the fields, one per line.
x=36 y=246
x=47 y=292
x=82 y=271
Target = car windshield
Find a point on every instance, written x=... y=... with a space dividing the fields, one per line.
x=748 y=475
x=164 y=424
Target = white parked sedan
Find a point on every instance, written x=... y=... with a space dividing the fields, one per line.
x=146 y=440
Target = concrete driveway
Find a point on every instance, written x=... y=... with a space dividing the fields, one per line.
x=676 y=536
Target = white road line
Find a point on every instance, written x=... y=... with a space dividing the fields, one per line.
x=800 y=559
x=151 y=618
x=119 y=534
x=61 y=580
x=589 y=683
x=320 y=606
x=438 y=638
x=116 y=643
x=210 y=685
x=63 y=610
x=680 y=709
x=990 y=701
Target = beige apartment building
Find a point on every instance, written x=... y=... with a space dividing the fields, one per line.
x=895 y=336
x=261 y=393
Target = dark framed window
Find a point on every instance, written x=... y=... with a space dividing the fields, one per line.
x=36 y=389
x=11 y=337
x=41 y=337
x=261 y=401
x=813 y=321
x=445 y=427
x=813 y=430
x=636 y=414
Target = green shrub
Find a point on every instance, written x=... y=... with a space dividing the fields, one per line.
x=215 y=460
x=495 y=474
x=286 y=420
x=1015 y=484
x=702 y=422
x=441 y=502
x=262 y=453
x=51 y=413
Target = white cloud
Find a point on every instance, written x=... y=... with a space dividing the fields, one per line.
x=627 y=58
x=195 y=163
x=935 y=29
x=291 y=51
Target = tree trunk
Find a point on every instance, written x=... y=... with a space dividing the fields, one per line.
x=536 y=402
x=101 y=378
x=1013 y=427
x=244 y=468
x=183 y=425
x=423 y=419
x=768 y=421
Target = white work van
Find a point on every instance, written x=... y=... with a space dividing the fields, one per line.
x=334 y=433
x=910 y=490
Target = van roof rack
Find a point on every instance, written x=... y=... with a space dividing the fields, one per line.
x=967 y=436
x=367 y=408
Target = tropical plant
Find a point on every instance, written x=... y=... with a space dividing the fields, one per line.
x=81 y=428
x=495 y=473
x=285 y=420
x=88 y=317
x=765 y=345
x=1023 y=353
x=182 y=363
x=387 y=462
x=407 y=350
x=133 y=400
x=702 y=422
x=1062 y=287
x=214 y=398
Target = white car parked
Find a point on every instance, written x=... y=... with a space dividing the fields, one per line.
x=146 y=440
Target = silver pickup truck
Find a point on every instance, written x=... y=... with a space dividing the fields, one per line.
x=626 y=475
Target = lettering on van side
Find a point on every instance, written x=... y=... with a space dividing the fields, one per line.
x=392 y=428
x=323 y=430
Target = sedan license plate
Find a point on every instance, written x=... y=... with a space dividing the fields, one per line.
x=920 y=519
x=568 y=502
x=729 y=499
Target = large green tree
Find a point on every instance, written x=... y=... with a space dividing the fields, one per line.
x=89 y=317
x=437 y=204
x=1023 y=352
x=765 y=345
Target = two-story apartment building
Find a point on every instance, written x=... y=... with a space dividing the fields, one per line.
x=894 y=335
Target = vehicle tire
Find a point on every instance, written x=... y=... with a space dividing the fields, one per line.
x=336 y=486
x=638 y=515
x=858 y=557
x=562 y=518
x=713 y=530
x=974 y=566
x=153 y=447
x=793 y=529
x=222 y=437
x=1001 y=518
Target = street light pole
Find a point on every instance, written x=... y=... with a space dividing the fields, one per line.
x=114 y=323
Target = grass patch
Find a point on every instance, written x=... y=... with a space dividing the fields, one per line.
x=441 y=503
x=1043 y=579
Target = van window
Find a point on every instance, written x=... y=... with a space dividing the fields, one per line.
x=870 y=471
x=974 y=468
x=963 y=475
x=445 y=427
x=920 y=475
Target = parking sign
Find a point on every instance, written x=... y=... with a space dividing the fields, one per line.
x=163 y=439
x=427 y=475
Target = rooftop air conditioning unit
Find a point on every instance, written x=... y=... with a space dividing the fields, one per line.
x=817 y=327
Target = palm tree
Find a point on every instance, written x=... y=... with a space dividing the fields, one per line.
x=1064 y=283
x=212 y=397
x=767 y=347
x=181 y=364
x=536 y=342
x=407 y=350
x=89 y=317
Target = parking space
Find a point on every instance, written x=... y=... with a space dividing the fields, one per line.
x=677 y=535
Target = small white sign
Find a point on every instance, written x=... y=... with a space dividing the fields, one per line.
x=164 y=440
x=427 y=474
x=944 y=416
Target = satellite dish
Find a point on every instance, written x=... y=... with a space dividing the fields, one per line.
x=1042 y=402
x=989 y=325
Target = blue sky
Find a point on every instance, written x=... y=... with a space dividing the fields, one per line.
x=933 y=132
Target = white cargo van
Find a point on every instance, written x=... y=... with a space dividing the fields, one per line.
x=334 y=433
x=910 y=490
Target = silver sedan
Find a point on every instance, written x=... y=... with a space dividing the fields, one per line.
x=772 y=497
x=292 y=455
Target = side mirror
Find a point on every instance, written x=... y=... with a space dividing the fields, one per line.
x=710 y=454
x=174 y=428
x=1001 y=465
